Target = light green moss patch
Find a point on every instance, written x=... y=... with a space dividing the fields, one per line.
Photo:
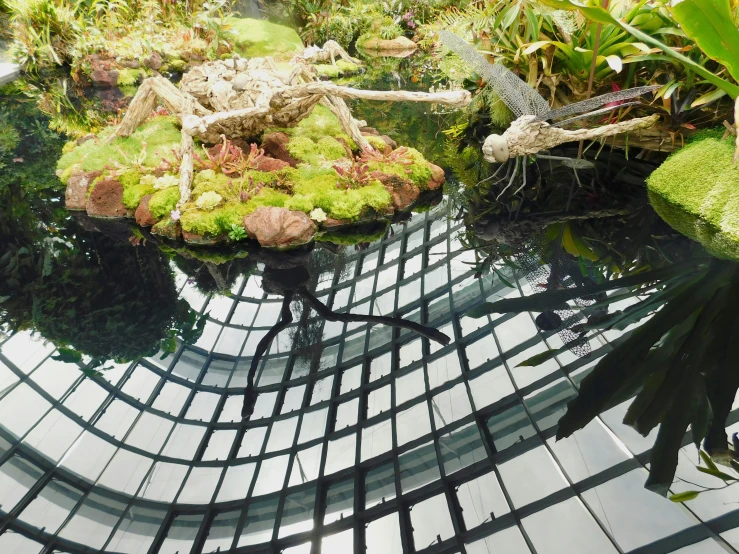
x=319 y=124
x=164 y=201
x=300 y=202
x=133 y=194
x=161 y=134
x=326 y=149
x=128 y=77
x=342 y=68
x=376 y=142
x=695 y=192
x=254 y=38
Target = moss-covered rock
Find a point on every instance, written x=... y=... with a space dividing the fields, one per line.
x=695 y=192
x=342 y=68
x=164 y=201
x=256 y=38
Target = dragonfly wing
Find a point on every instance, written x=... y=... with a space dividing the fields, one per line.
x=595 y=103
x=515 y=93
x=593 y=114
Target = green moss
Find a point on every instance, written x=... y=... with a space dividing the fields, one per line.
x=326 y=149
x=164 y=201
x=376 y=142
x=210 y=181
x=128 y=77
x=342 y=68
x=133 y=194
x=177 y=65
x=160 y=134
x=67 y=172
x=321 y=123
x=300 y=202
x=258 y=38
x=420 y=172
x=129 y=178
x=694 y=191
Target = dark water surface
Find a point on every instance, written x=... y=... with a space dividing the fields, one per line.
x=124 y=366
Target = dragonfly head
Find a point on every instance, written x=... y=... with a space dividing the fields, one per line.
x=496 y=148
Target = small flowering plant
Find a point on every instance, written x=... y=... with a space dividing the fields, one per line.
x=175 y=215
x=318 y=215
x=208 y=200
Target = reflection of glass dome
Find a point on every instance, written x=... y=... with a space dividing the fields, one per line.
x=382 y=440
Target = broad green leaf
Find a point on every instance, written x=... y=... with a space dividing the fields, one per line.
x=684 y=496
x=708 y=460
x=68 y=355
x=717 y=473
x=600 y=15
x=711 y=25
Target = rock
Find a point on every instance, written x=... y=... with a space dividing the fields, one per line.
x=200 y=240
x=143 y=215
x=370 y=131
x=167 y=228
x=75 y=197
x=437 y=177
x=275 y=145
x=130 y=64
x=390 y=142
x=330 y=223
x=240 y=82
x=271 y=164
x=154 y=61
x=387 y=179
x=279 y=227
x=104 y=78
x=398 y=44
x=404 y=194
x=83 y=140
x=106 y=200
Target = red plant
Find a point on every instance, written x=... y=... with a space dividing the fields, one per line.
x=356 y=175
x=228 y=158
x=251 y=190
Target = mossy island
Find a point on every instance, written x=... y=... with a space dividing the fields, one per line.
x=280 y=190
x=694 y=191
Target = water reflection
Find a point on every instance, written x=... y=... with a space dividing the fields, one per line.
x=367 y=428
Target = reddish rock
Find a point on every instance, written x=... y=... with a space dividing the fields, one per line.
x=331 y=222
x=167 y=228
x=390 y=142
x=404 y=194
x=437 y=177
x=104 y=78
x=279 y=227
x=154 y=62
x=75 y=197
x=143 y=215
x=369 y=131
x=106 y=200
x=275 y=145
x=387 y=179
x=131 y=64
x=200 y=240
x=271 y=164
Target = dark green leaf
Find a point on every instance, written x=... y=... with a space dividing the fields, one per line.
x=717 y=473
x=684 y=496
x=68 y=355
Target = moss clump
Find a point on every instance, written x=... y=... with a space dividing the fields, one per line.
x=256 y=38
x=300 y=202
x=177 y=65
x=132 y=195
x=694 y=191
x=164 y=201
x=351 y=238
x=376 y=142
x=341 y=69
x=160 y=134
x=129 y=178
x=319 y=124
x=128 y=77
x=327 y=149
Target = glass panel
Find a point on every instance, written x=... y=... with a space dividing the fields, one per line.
x=236 y=483
x=339 y=501
x=200 y=485
x=181 y=534
x=379 y=485
x=94 y=521
x=184 y=441
x=481 y=500
x=293 y=399
x=17 y=476
x=351 y=379
x=418 y=467
x=125 y=472
x=346 y=414
x=549 y=403
x=164 y=482
x=322 y=390
x=149 y=432
x=383 y=535
x=378 y=401
x=306 y=465
x=409 y=386
x=171 y=398
x=566 y=528
x=282 y=434
x=491 y=386
x=219 y=445
x=443 y=369
x=461 y=448
x=380 y=366
x=21 y=409
x=137 y=530
x=450 y=405
x=297 y=513
x=509 y=540
x=509 y=427
x=340 y=542
x=260 y=521
x=341 y=454
x=413 y=423
x=271 y=476
x=202 y=406
x=313 y=426
x=51 y=507
x=526 y=486
x=15 y=543
x=377 y=439
x=252 y=441
x=431 y=522
x=221 y=532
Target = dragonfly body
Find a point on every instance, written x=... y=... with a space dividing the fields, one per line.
x=529 y=135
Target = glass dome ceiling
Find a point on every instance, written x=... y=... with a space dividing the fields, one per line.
x=363 y=438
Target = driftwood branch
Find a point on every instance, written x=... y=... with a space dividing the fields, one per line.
x=187 y=147
x=455 y=99
x=341 y=110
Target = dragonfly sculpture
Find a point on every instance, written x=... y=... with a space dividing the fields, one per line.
x=532 y=131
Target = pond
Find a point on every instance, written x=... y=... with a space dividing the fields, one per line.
x=403 y=394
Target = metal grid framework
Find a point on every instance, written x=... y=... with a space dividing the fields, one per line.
x=391 y=444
